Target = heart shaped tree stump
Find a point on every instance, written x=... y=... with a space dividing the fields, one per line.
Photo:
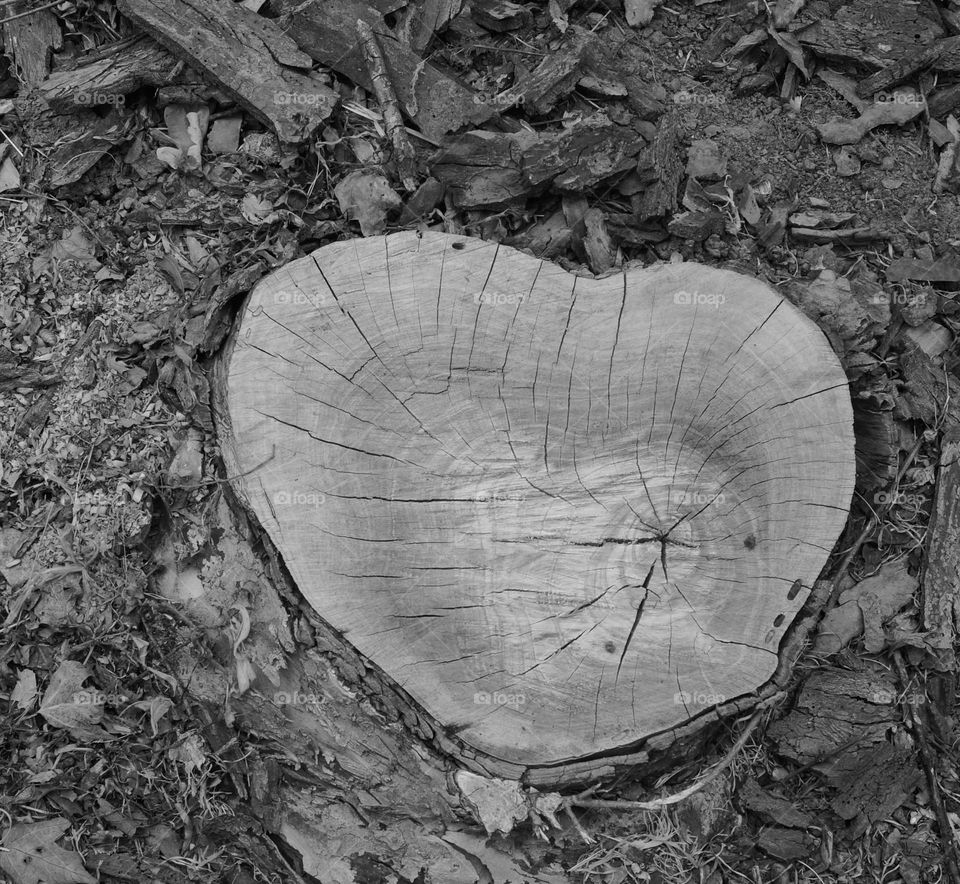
x=563 y=514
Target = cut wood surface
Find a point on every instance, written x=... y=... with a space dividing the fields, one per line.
x=562 y=513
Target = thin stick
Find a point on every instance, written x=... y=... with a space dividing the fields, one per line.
x=7 y=21
x=392 y=118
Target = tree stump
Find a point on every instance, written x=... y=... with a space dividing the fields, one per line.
x=563 y=514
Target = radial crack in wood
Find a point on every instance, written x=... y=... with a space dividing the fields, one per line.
x=563 y=514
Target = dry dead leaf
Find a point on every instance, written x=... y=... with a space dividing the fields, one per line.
x=9 y=176
x=498 y=804
x=24 y=692
x=367 y=197
x=640 y=12
x=258 y=210
x=31 y=855
x=66 y=704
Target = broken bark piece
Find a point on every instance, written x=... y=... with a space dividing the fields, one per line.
x=660 y=166
x=424 y=20
x=474 y=488
x=583 y=155
x=840 y=722
x=499 y=16
x=246 y=55
x=29 y=42
x=696 y=225
x=551 y=79
x=601 y=250
x=929 y=393
x=582 y=55
x=894 y=74
x=423 y=202
x=111 y=76
x=436 y=102
x=704 y=161
x=870 y=34
x=943 y=269
x=944 y=101
x=629 y=229
x=602 y=60
x=71 y=159
x=882 y=113
x=783 y=812
x=941 y=571
x=482 y=168
x=788 y=845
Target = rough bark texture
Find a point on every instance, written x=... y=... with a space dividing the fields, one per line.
x=433 y=100
x=563 y=515
x=941 y=581
x=246 y=55
x=117 y=73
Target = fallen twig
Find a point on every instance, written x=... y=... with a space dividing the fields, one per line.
x=387 y=97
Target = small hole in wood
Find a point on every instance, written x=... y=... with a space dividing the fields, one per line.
x=750 y=541
x=459 y=245
x=778 y=620
x=610 y=648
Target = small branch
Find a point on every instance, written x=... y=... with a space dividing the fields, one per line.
x=383 y=89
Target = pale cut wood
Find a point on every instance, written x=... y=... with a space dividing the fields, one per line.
x=564 y=514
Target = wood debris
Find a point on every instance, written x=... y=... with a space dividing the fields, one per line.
x=108 y=75
x=435 y=101
x=865 y=34
x=231 y=45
